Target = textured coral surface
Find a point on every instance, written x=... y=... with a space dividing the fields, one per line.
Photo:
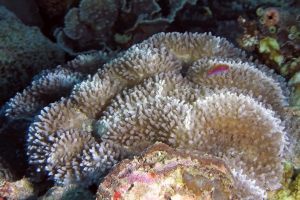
x=159 y=91
x=196 y=93
x=24 y=52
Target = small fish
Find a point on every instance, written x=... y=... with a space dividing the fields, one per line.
x=218 y=69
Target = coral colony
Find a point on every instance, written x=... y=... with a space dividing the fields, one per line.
x=93 y=21
x=142 y=97
x=151 y=104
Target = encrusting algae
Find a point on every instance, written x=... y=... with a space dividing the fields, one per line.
x=164 y=173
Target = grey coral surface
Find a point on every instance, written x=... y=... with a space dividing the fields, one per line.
x=50 y=85
x=24 y=52
x=47 y=87
x=152 y=93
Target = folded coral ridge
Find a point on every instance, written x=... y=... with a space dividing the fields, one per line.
x=158 y=91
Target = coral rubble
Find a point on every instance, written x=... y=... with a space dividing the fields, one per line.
x=22 y=189
x=158 y=91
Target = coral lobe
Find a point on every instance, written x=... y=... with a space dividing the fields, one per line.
x=142 y=97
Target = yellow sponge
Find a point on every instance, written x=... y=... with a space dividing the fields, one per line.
x=271 y=47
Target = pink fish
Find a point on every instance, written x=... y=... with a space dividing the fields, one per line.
x=218 y=69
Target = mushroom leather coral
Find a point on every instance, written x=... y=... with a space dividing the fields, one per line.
x=152 y=94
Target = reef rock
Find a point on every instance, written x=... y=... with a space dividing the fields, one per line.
x=164 y=173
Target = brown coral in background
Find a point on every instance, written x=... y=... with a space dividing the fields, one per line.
x=91 y=25
x=104 y=25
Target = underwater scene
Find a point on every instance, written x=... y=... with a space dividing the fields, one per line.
x=149 y=99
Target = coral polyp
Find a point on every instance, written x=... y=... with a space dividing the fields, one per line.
x=271 y=16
